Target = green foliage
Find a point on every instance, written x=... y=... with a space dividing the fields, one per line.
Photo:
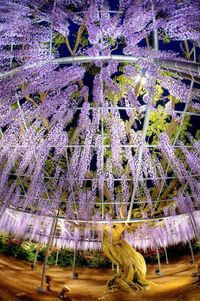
x=196 y=247
x=121 y=67
x=66 y=258
x=59 y=40
x=51 y=259
x=158 y=93
x=92 y=69
x=14 y=247
x=30 y=257
x=123 y=80
x=166 y=39
x=183 y=130
x=81 y=260
x=158 y=123
x=75 y=95
x=14 y=106
x=26 y=250
x=113 y=97
x=29 y=250
x=167 y=73
x=111 y=41
x=83 y=39
x=50 y=166
x=98 y=261
x=151 y=259
x=197 y=136
x=22 y=181
x=4 y=238
x=41 y=253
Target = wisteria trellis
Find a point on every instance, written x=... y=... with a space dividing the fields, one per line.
x=72 y=137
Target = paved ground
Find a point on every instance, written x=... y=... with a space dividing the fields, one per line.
x=16 y=277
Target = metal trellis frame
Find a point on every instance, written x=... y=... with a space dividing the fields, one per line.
x=166 y=63
x=100 y=203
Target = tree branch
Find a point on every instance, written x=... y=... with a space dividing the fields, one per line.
x=27 y=97
x=80 y=32
x=78 y=38
x=68 y=46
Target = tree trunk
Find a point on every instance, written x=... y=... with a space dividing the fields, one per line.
x=132 y=263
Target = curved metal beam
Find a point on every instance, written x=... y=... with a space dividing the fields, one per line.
x=113 y=221
x=179 y=65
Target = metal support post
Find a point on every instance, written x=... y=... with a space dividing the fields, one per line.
x=54 y=222
x=144 y=131
x=74 y=258
x=166 y=256
x=36 y=255
x=158 y=258
x=192 y=253
x=57 y=254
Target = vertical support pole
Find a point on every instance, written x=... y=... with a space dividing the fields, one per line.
x=74 y=261
x=51 y=33
x=102 y=158
x=194 y=225
x=118 y=269
x=191 y=250
x=155 y=32
x=166 y=256
x=195 y=54
x=53 y=225
x=136 y=178
x=57 y=254
x=71 y=185
x=102 y=127
x=158 y=257
x=36 y=255
x=51 y=41
x=74 y=258
x=11 y=56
